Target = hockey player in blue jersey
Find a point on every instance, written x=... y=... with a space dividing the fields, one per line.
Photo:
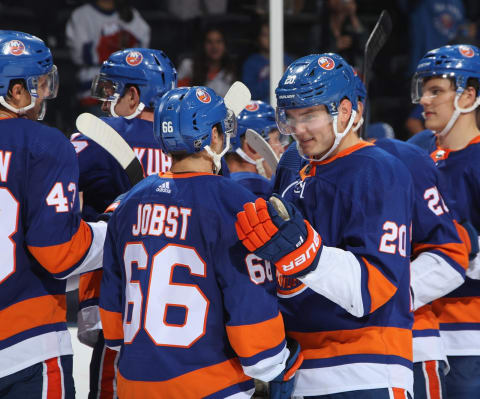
x=343 y=273
x=43 y=239
x=446 y=84
x=440 y=259
x=245 y=165
x=129 y=83
x=195 y=315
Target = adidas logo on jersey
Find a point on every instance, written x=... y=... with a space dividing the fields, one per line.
x=164 y=188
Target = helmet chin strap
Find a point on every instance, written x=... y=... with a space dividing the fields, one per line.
x=359 y=125
x=217 y=158
x=137 y=112
x=17 y=110
x=456 y=114
x=336 y=142
x=258 y=163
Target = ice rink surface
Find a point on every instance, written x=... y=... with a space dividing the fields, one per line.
x=81 y=361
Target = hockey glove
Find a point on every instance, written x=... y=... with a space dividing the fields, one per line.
x=473 y=238
x=276 y=231
x=281 y=387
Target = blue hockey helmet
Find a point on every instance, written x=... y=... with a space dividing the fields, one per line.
x=24 y=56
x=360 y=89
x=316 y=79
x=458 y=62
x=258 y=116
x=184 y=119
x=150 y=70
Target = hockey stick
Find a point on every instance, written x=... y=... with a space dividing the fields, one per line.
x=237 y=98
x=375 y=42
x=260 y=145
x=109 y=139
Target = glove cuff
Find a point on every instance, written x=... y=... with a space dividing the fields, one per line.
x=304 y=259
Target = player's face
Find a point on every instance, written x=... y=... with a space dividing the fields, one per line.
x=437 y=99
x=275 y=143
x=312 y=128
x=214 y=45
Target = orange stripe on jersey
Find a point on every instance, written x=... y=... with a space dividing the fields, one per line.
x=54 y=379
x=89 y=285
x=112 y=324
x=107 y=373
x=32 y=313
x=171 y=175
x=345 y=152
x=463 y=234
x=457 y=310
x=433 y=380
x=61 y=257
x=251 y=339
x=380 y=289
x=425 y=319
x=193 y=385
x=399 y=393
x=363 y=341
x=455 y=251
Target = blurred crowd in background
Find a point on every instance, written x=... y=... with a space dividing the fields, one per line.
x=215 y=42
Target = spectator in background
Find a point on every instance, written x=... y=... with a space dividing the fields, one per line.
x=256 y=68
x=211 y=65
x=347 y=36
x=96 y=30
x=190 y=9
x=415 y=122
x=431 y=24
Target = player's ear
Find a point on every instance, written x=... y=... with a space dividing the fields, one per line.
x=16 y=92
x=468 y=97
x=344 y=111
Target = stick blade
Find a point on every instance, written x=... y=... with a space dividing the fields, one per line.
x=112 y=142
x=260 y=145
x=237 y=97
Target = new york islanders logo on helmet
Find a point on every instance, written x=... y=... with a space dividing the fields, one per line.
x=203 y=96
x=15 y=47
x=252 y=107
x=134 y=58
x=466 y=51
x=326 y=63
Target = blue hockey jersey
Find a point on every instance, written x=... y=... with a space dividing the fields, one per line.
x=40 y=216
x=195 y=315
x=257 y=184
x=458 y=312
x=440 y=255
x=352 y=314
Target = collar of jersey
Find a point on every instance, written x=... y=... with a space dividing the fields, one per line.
x=310 y=169
x=442 y=153
x=171 y=175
